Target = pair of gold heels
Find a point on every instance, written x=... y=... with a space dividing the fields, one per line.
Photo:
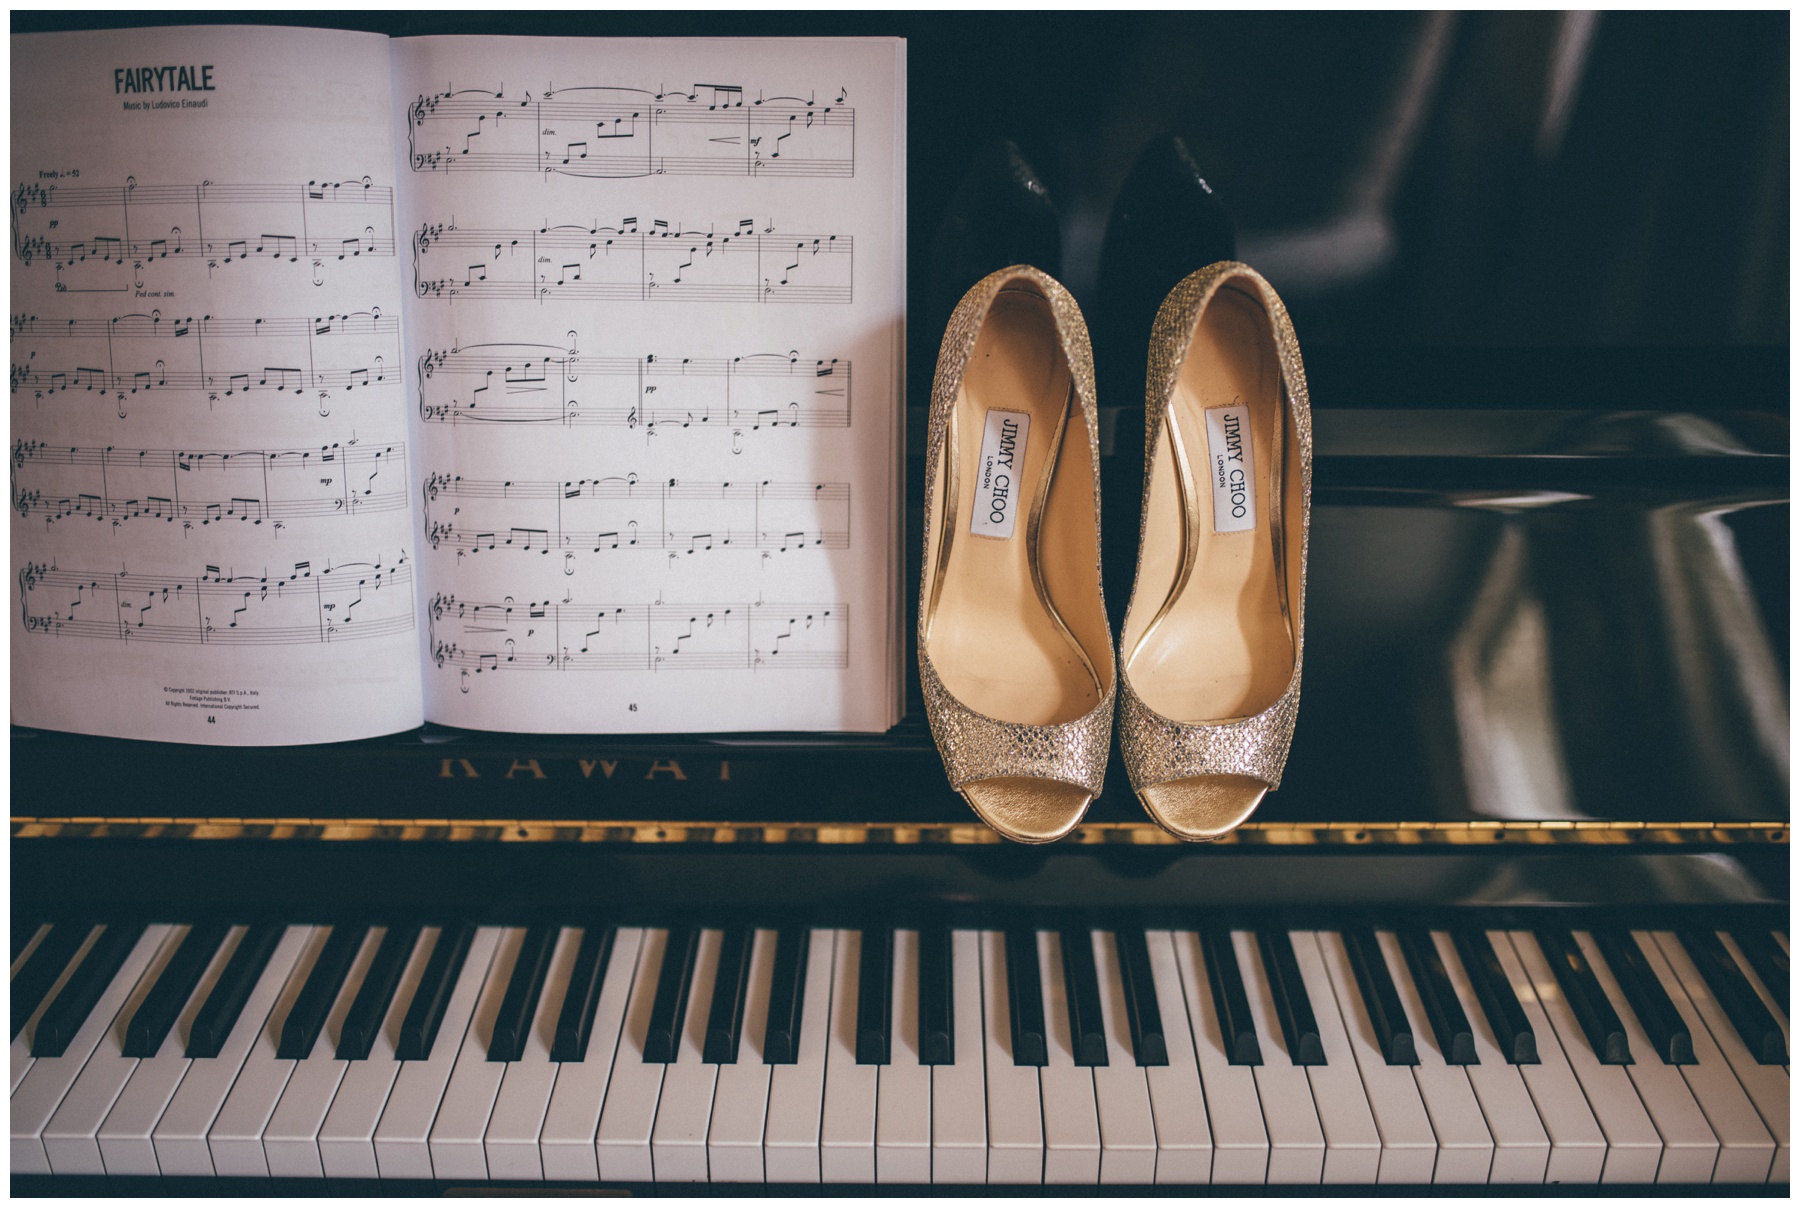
x=1015 y=651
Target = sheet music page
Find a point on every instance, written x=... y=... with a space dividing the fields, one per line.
x=212 y=530
x=656 y=321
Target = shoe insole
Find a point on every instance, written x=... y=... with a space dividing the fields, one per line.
x=1223 y=648
x=995 y=645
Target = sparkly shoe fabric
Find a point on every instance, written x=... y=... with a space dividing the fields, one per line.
x=1157 y=748
x=973 y=745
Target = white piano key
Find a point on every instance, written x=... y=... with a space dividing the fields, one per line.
x=1296 y=1141
x=462 y=1117
x=42 y=1090
x=1408 y=1146
x=403 y=1138
x=1690 y=1149
x=1240 y=1139
x=1633 y=1147
x=198 y=1088
x=678 y=1139
x=347 y=1137
x=958 y=1091
x=1352 y=1142
x=124 y=1135
x=511 y=1141
x=1521 y=1146
x=1755 y=980
x=797 y=1091
x=903 y=1086
x=1577 y=1142
x=566 y=1144
x=37 y=937
x=291 y=1138
x=1184 y=1145
x=235 y=1138
x=1746 y=1149
x=1071 y=1120
x=622 y=1140
x=847 y=1132
x=1465 y=1146
x=21 y=1044
x=1766 y=1085
x=1014 y=1102
x=734 y=1140
x=69 y=1138
x=1121 y=1092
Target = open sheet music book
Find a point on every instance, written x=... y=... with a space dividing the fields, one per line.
x=532 y=384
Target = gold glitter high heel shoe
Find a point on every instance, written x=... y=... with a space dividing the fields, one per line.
x=1015 y=653
x=1213 y=635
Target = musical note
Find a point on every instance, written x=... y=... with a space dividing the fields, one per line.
x=592 y=262
x=592 y=515
x=483 y=637
x=147 y=223
x=634 y=132
x=301 y=605
x=512 y=384
x=206 y=487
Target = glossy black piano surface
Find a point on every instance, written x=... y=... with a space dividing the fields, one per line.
x=1537 y=805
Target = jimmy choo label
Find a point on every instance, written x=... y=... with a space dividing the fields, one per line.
x=997 y=477
x=1233 y=469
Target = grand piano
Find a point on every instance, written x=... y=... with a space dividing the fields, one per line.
x=1517 y=915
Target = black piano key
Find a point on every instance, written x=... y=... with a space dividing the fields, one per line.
x=150 y=1023
x=1755 y=1026
x=1599 y=1022
x=575 y=1025
x=69 y=1009
x=219 y=1013
x=1443 y=1010
x=1644 y=994
x=1229 y=999
x=725 y=1017
x=376 y=994
x=669 y=1009
x=1142 y=1014
x=1087 y=1031
x=22 y=931
x=1292 y=1007
x=875 y=998
x=419 y=1030
x=42 y=968
x=1493 y=990
x=1380 y=997
x=1025 y=999
x=512 y=1027
x=306 y=1019
x=937 y=1012
x=787 y=997
x=1768 y=958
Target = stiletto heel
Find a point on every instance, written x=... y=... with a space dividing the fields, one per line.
x=1213 y=635
x=1015 y=654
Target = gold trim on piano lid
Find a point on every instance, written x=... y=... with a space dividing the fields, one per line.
x=907 y=834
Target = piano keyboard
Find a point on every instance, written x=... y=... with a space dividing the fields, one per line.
x=1230 y=1054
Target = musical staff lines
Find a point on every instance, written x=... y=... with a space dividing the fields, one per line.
x=543 y=384
x=613 y=132
x=590 y=515
x=477 y=638
x=203 y=487
x=141 y=354
x=319 y=222
x=658 y=261
x=332 y=603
